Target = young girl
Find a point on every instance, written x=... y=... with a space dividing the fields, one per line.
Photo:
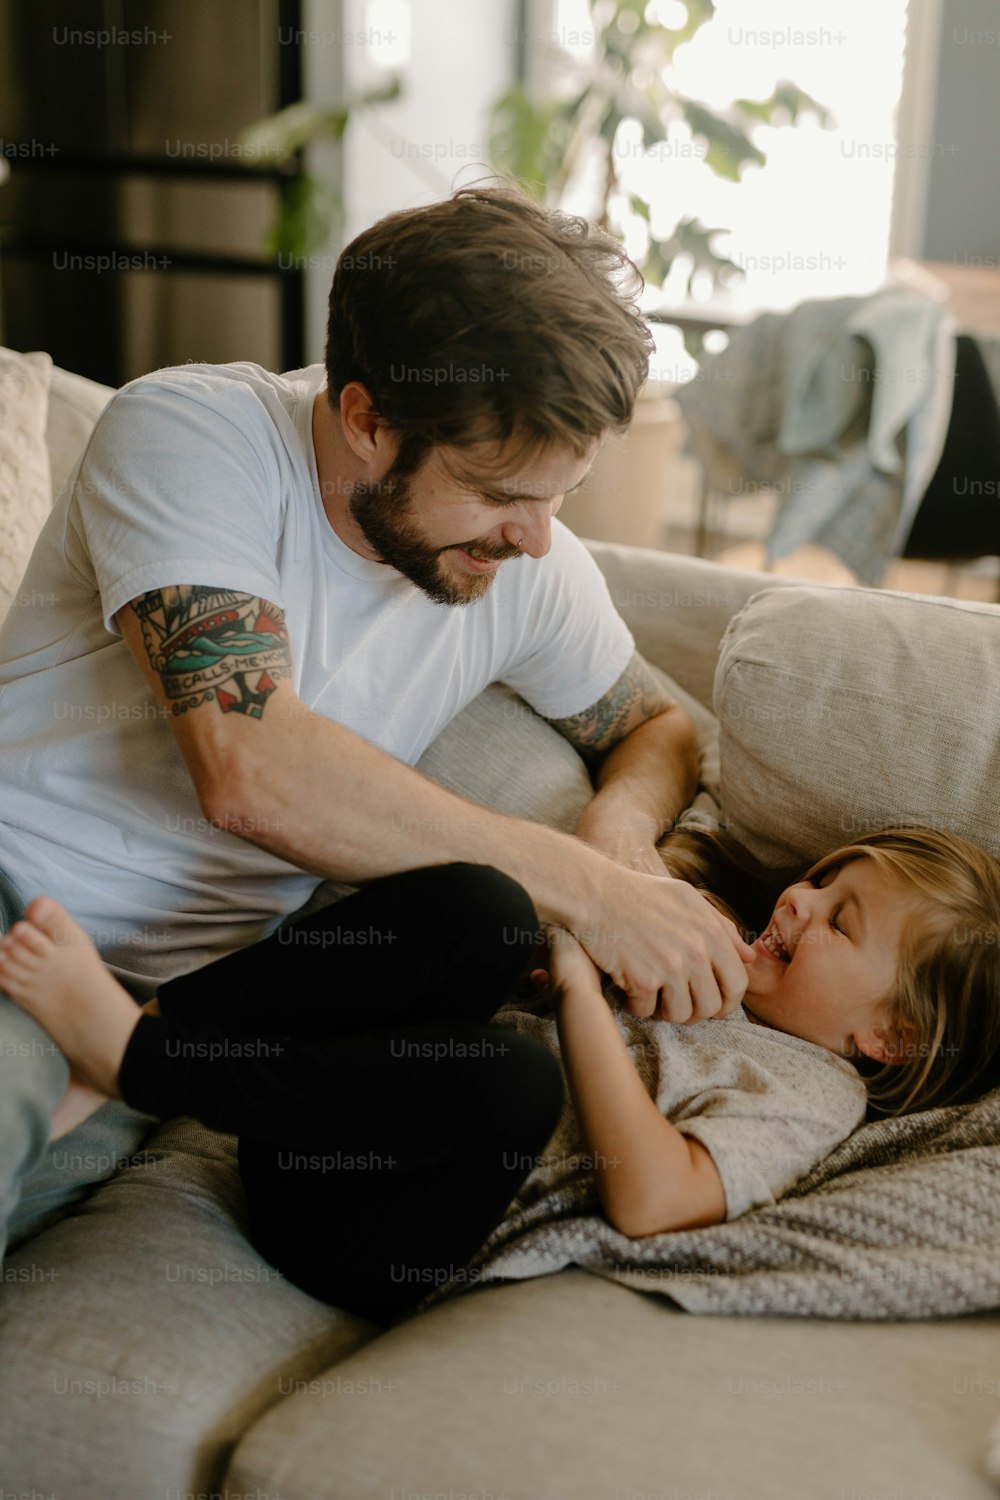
x=378 y=1156
x=875 y=987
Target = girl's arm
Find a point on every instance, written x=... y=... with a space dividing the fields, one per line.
x=651 y=1177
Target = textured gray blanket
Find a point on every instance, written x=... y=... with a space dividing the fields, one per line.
x=901 y=1221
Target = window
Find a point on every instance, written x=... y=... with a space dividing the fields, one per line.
x=815 y=221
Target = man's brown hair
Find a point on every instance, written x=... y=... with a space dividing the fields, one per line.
x=486 y=318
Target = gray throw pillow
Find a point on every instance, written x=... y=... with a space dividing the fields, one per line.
x=842 y=711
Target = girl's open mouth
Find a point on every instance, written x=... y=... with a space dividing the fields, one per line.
x=770 y=942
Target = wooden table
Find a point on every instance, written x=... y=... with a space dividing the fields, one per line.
x=971 y=292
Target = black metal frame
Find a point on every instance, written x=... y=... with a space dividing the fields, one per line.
x=118 y=165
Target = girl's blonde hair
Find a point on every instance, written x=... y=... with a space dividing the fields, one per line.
x=948 y=983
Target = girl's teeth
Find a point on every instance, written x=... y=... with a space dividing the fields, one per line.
x=774 y=945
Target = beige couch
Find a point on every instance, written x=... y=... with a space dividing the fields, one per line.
x=150 y=1355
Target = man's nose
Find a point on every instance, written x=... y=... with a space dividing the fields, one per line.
x=534 y=532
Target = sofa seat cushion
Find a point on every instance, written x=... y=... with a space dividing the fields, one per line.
x=842 y=711
x=25 y=473
x=143 y=1325
x=571 y=1386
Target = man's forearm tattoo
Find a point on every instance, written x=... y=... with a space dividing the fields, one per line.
x=634 y=698
x=210 y=643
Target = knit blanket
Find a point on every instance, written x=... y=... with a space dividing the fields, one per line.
x=901 y=1221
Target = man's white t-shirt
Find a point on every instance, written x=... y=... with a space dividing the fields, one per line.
x=206 y=474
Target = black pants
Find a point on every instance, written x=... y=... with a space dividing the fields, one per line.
x=384 y=1127
x=959 y=514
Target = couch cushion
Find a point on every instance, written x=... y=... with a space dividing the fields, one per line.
x=75 y=404
x=568 y=1386
x=500 y=753
x=843 y=711
x=143 y=1333
x=25 y=477
x=678 y=607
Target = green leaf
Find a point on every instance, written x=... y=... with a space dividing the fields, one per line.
x=309 y=211
x=526 y=138
x=656 y=266
x=279 y=136
x=699 y=13
x=691 y=238
x=729 y=148
x=787 y=99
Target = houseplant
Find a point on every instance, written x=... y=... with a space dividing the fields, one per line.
x=546 y=132
x=310 y=208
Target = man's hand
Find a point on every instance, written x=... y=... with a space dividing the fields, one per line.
x=667 y=948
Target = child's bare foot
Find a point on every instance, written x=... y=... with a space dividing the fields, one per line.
x=79 y=1101
x=51 y=968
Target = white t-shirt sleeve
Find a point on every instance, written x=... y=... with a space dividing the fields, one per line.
x=762 y=1144
x=174 y=489
x=578 y=644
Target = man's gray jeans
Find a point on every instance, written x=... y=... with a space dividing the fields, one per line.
x=39 y=1180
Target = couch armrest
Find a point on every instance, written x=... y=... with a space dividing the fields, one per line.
x=678 y=607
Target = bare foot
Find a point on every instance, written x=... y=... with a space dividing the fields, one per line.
x=50 y=967
x=80 y=1102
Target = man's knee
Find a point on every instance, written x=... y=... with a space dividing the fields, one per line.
x=31 y=1065
x=492 y=906
x=489 y=913
x=33 y=1076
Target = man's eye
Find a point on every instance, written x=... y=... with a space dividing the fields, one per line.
x=835 y=925
x=497 y=500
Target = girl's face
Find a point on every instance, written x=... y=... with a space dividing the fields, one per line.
x=829 y=955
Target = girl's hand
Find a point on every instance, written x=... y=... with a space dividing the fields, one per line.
x=570 y=967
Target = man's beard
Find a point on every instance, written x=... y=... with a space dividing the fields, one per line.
x=383 y=510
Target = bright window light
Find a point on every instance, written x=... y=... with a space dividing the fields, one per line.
x=814 y=222
x=388 y=24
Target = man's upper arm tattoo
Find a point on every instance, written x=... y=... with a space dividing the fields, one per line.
x=207 y=643
x=629 y=702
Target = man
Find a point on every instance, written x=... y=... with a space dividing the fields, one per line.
x=271 y=594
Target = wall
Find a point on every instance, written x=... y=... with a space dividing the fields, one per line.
x=419 y=149
x=963 y=192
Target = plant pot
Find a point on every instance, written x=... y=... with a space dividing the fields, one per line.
x=624 y=498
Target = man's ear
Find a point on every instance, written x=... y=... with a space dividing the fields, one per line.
x=894 y=1044
x=363 y=433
